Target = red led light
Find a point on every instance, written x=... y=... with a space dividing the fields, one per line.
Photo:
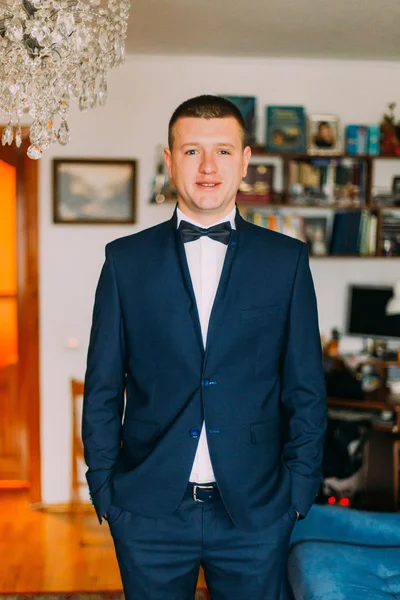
x=344 y=501
x=331 y=500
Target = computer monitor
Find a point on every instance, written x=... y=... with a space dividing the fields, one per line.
x=366 y=312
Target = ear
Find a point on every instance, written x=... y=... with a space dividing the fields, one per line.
x=246 y=158
x=168 y=160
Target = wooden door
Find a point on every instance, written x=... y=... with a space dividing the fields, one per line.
x=11 y=423
x=19 y=370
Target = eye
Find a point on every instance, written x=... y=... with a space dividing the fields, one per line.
x=224 y=152
x=191 y=152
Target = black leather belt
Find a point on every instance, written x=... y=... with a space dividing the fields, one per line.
x=203 y=492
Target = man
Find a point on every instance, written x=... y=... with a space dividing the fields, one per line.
x=210 y=325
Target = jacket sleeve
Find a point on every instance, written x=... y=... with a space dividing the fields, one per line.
x=303 y=391
x=103 y=401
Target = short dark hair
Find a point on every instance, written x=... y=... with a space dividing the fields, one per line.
x=206 y=107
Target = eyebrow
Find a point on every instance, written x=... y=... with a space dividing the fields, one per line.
x=224 y=144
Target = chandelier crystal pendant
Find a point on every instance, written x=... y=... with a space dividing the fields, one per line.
x=52 y=52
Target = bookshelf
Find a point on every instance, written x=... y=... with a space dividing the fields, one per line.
x=338 y=195
x=350 y=220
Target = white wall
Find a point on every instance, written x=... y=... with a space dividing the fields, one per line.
x=142 y=96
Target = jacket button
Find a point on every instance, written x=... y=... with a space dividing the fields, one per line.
x=206 y=382
x=194 y=432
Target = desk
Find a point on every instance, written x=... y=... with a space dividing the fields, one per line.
x=385 y=444
x=393 y=426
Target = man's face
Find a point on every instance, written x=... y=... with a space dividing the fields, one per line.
x=207 y=163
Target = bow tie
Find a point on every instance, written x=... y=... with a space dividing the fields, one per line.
x=218 y=233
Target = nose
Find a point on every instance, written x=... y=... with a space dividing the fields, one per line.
x=208 y=164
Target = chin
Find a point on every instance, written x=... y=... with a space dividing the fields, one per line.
x=209 y=203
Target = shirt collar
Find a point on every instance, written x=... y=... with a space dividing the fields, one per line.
x=229 y=217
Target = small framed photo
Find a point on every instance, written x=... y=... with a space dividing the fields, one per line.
x=258 y=185
x=315 y=235
x=323 y=134
x=94 y=191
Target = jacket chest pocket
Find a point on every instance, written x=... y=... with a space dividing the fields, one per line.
x=259 y=313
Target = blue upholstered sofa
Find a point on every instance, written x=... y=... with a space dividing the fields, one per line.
x=343 y=554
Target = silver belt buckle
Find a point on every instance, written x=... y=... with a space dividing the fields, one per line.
x=200 y=487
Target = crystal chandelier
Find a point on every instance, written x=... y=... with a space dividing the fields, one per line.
x=53 y=51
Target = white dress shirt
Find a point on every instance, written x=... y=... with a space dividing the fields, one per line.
x=205 y=259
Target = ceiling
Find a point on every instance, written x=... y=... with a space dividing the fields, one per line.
x=343 y=29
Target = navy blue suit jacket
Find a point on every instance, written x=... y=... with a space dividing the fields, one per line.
x=258 y=384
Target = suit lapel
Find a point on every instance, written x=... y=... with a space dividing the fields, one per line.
x=184 y=268
x=233 y=257
x=221 y=295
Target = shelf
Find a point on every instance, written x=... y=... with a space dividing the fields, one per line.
x=365 y=404
x=258 y=150
x=284 y=204
x=382 y=157
x=256 y=199
x=385 y=207
x=351 y=256
x=272 y=206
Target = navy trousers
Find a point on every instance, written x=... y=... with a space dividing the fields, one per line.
x=159 y=559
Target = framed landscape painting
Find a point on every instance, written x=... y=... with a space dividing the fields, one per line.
x=98 y=191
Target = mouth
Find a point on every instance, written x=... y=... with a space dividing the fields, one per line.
x=208 y=185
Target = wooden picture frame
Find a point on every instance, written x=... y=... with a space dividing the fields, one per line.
x=258 y=185
x=323 y=135
x=94 y=191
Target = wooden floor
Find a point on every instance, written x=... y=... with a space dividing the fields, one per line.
x=41 y=551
